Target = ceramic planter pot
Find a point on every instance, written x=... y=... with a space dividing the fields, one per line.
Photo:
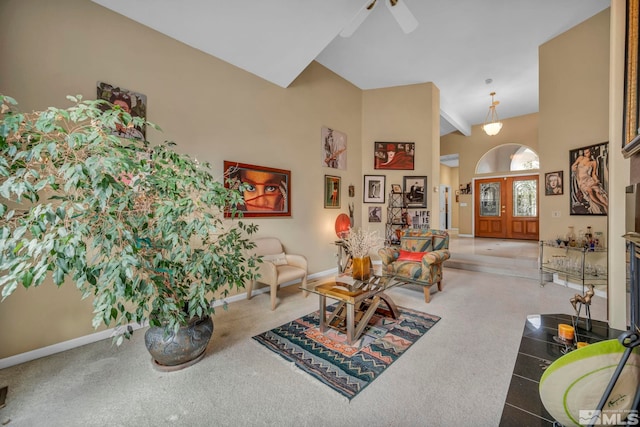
x=177 y=351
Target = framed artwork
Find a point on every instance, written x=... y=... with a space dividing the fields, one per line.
x=331 y=191
x=589 y=182
x=553 y=183
x=352 y=190
x=394 y=155
x=375 y=214
x=420 y=218
x=334 y=148
x=267 y=191
x=374 y=188
x=415 y=195
x=132 y=102
x=395 y=188
x=630 y=135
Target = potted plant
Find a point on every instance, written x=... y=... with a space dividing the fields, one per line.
x=139 y=228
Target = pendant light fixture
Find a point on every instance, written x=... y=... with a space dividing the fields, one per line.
x=492 y=124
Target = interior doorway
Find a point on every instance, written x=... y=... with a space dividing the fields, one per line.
x=445 y=207
x=507 y=207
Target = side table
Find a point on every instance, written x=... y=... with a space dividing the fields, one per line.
x=538 y=349
x=357 y=302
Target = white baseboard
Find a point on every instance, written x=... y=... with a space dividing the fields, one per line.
x=108 y=333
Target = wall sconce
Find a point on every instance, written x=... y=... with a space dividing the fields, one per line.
x=492 y=124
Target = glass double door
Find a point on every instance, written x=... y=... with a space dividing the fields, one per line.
x=507 y=207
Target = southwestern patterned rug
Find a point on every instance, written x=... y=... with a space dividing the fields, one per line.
x=347 y=369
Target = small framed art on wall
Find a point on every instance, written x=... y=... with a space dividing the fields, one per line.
x=331 y=191
x=374 y=188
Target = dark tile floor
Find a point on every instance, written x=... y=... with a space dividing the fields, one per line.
x=538 y=349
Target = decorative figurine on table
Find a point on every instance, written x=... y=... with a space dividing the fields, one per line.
x=586 y=301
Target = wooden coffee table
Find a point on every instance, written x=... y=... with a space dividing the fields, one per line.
x=357 y=302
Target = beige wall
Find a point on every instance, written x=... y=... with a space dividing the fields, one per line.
x=518 y=130
x=574 y=91
x=213 y=110
x=403 y=114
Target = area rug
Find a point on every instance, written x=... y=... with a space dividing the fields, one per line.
x=347 y=369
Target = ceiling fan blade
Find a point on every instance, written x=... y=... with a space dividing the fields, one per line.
x=403 y=15
x=358 y=20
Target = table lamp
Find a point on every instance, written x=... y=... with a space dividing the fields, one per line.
x=343 y=225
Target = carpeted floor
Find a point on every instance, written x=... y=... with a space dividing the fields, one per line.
x=456 y=375
x=347 y=369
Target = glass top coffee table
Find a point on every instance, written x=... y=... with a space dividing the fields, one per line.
x=357 y=300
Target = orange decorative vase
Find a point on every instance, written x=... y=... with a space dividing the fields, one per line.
x=361 y=267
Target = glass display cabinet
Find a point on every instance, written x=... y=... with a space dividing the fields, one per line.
x=581 y=265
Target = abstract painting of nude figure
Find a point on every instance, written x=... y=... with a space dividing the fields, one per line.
x=589 y=180
x=334 y=148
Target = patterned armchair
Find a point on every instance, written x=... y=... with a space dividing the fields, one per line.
x=419 y=258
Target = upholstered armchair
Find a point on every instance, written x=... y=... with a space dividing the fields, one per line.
x=419 y=258
x=277 y=267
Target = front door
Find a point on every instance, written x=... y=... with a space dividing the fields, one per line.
x=507 y=207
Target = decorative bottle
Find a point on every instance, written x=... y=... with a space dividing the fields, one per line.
x=571 y=237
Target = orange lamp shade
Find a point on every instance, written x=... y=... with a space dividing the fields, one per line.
x=343 y=224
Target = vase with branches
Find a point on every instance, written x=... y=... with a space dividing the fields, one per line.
x=359 y=243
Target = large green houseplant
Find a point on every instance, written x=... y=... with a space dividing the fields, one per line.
x=141 y=229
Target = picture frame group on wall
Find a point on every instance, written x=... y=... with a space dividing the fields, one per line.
x=415 y=194
x=394 y=155
x=267 y=192
x=553 y=183
x=374 y=189
x=331 y=192
x=589 y=180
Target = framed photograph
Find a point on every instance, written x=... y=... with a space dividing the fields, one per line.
x=394 y=155
x=589 y=182
x=267 y=191
x=375 y=214
x=334 y=148
x=415 y=195
x=132 y=102
x=553 y=183
x=374 y=189
x=630 y=135
x=331 y=191
x=395 y=188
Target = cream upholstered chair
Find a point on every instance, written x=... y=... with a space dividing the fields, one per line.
x=277 y=267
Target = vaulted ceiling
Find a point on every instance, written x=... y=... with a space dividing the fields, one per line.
x=458 y=45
